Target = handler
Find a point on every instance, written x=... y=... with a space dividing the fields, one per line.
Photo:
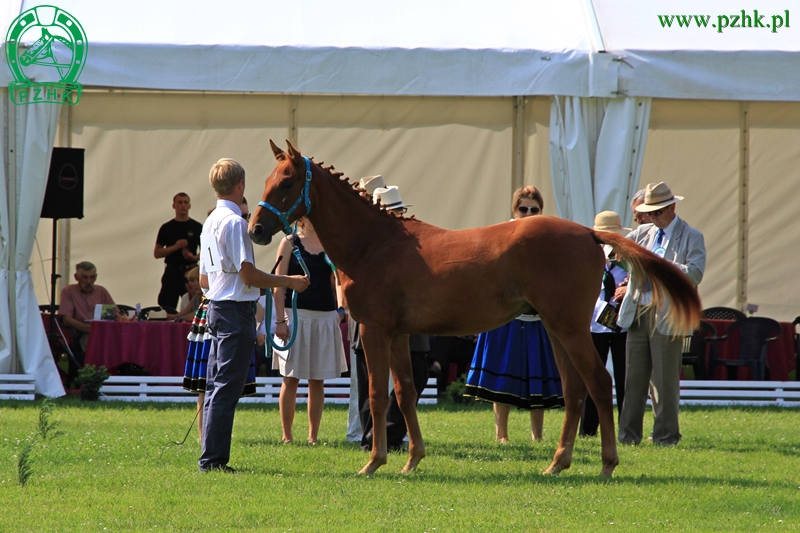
x=228 y=271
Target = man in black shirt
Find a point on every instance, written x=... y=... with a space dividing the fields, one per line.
x=178 y=242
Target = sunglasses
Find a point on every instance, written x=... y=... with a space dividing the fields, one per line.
x=656 y=213
x=525 y=209
x=246 y=216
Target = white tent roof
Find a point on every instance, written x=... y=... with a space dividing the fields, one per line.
x=430 y=47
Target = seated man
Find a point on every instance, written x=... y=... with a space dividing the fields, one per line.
x=77 y=304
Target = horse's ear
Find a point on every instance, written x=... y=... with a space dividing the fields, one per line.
x=293 y=152
x=280 y=155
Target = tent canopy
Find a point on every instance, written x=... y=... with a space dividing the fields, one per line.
x=422 y=48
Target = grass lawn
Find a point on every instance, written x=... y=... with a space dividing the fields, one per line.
x=112 y=469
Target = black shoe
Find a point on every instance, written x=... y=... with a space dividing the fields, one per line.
x=434 y=371
x=221 y=468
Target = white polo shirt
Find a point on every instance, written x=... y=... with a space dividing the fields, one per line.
x=229 y=230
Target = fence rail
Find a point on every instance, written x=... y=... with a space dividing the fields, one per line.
x=169 y=389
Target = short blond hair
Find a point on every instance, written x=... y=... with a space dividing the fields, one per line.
x=224 y=176
x=193 y=274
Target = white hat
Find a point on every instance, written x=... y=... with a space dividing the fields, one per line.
x=656 y=196
x=610 y=221
x=371 y=183
x=389 y=197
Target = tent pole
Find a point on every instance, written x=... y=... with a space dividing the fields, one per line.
x=518 y=141
x=744 y=197
x=11 y=173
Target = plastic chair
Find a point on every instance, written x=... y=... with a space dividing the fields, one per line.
x=723 y=313
x=694 y=349
x=754 y=335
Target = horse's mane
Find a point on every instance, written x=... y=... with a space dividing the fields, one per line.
x=354 y=187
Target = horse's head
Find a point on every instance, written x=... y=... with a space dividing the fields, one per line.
x=283 y=200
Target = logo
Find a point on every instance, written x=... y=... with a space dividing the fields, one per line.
x=58 y=51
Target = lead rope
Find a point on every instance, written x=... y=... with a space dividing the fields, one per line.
x=271 y=344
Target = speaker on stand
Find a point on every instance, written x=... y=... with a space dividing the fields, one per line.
x=63 y=198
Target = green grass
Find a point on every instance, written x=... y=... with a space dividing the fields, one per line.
x=111 y=470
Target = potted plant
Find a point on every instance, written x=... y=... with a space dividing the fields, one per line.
x=91 y=378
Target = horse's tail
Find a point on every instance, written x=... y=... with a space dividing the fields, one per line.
x=669 y=285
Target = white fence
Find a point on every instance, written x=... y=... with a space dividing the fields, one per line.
x=169 y=389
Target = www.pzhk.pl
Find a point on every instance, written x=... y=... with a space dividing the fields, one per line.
x=743 y=20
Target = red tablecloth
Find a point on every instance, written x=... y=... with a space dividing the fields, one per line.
x=160 y=347
x=780 y=353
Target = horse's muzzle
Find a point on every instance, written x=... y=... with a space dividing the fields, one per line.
x=260 y=235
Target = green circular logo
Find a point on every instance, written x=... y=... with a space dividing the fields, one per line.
x=58 y=51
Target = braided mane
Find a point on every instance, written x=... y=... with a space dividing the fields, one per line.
x=355 y=187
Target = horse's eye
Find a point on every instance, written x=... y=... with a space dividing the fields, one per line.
x=286 y=184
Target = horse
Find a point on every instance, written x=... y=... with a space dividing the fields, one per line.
x=400 y=275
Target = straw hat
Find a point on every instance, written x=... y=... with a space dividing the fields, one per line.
x=610 y=221
x=371 y=183
x=656 y=196
x=389 y=197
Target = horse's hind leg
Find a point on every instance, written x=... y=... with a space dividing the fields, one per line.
x=406 y=393
x=585 y=366
x=574 y=393
x=376 y=346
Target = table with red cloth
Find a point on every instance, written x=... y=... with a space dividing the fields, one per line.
x=780 y=352
x=159 y=347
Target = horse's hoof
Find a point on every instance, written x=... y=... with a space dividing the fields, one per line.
x=554 y=469
x=411 y=465
x=370 y=468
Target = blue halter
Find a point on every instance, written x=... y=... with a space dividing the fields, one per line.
x=284 y=216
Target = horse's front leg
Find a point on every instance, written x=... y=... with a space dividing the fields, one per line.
x=377 y=346
x=406 y=393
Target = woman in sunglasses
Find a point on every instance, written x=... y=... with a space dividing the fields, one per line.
x=514 y=364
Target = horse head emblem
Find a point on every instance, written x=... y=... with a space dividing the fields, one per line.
x=286 y=195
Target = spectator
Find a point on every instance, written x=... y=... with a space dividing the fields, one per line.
x=77 y=305
x=177 y=242
x=606 y=338
x=191 y=300
x=419 y=345
x=318 y=352
x=653 y=350
x=514 y=364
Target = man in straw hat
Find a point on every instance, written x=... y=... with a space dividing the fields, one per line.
x=653 y=350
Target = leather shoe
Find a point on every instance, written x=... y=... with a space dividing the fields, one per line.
x=221 y=468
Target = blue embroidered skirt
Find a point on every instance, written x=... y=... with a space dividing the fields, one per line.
x=194 y=373
x=514 y=365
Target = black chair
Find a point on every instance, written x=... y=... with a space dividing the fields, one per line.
x=723 y=313
x=796 y=350
x=144 y=314
x=123 y=309
x=754 y=335
x=694 y=349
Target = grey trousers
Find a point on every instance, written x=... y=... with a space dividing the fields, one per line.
x=651 y=356
x=233 y=334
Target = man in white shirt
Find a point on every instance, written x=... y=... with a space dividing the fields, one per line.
x=653 y=350
x=228 y=272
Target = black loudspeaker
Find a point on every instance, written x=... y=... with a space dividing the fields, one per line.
x=64 y=195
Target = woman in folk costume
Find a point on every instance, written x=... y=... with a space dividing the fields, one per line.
x=514 y=364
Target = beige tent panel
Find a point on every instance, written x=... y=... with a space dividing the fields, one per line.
x=774 y=258
x=693 y=147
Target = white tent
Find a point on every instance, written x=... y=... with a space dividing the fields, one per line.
x=452 y=103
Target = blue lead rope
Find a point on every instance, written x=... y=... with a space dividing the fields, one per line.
x=271 y=344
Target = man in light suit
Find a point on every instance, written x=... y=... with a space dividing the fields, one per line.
x=653 y=351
